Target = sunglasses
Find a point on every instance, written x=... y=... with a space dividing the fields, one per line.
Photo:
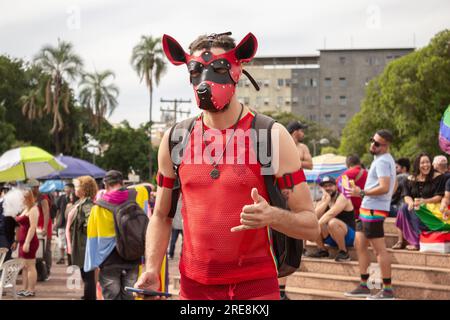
x=376 y=143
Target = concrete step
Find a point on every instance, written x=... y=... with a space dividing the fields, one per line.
x=338 y=283
x=400 y=272
x=389 y=226
x=295 y=293
x=390 y=239
x=403 y=257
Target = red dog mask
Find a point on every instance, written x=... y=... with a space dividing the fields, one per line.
x=214 y=77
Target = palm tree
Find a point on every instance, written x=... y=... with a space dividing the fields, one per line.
x=98 y=96
x=62 y=65
x=30 y=104
x=148 y=61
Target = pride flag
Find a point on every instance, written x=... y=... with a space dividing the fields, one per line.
x=444 y=132
x=431 y=217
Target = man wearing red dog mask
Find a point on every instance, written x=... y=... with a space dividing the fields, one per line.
x=215 y=160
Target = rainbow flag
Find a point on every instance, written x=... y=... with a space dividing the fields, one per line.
x=444 y=132
x=435 y=241
x=431 y=217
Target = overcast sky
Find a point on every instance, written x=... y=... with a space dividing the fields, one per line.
x=105 y=31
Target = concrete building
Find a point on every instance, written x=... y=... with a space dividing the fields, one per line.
x=327 y=88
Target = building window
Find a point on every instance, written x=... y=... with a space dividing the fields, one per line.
x=306 y=83
x=295 y=100
x=240 y=84
x=247 y=83
x=308 y=100
x=266 y=101
x=328 y=118
x=342 y=60
x=287 y=82
x=287 y=101
x=312 y=117
x=327 y=82
x=247 y=101
x=313 y=82
x=327 y=99
x=280 y=82
x=342 y=82
x=266 y=83
x=367 y=82
x=343 y=100
x=342 y=118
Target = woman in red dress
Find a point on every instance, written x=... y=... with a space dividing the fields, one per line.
x=28 y=243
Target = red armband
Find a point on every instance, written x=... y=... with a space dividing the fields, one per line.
x=289 y=180
x=164 y=181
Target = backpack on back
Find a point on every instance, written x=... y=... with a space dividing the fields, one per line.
x=130 y=222
x=288 y=251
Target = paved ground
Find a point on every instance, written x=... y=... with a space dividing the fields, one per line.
x=65 y=284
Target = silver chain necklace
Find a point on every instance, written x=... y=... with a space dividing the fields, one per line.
x=215 y=172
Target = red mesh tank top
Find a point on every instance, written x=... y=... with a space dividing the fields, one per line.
x=212 y=254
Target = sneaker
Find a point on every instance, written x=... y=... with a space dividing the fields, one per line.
x=22 y=293
x=48 y=278
x=29 y=294
x=342 y=256
x=321 y=253
x=61 y=261
x=382 y=295
x=360 y=291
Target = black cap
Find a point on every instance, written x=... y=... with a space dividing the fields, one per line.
x=295 y=125
x=113 y=177
x=327 y=179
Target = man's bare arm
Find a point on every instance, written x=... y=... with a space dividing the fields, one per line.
x=307 y=162
x=160 y=225
x=300 y=222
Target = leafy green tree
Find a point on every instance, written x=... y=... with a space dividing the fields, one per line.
x=62 y=65
x=127 y=149
x=408 y=98
x=6 y=131
x=99 y=96
x=149 y=63
x=313 y=134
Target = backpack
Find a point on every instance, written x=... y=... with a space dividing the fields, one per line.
x=130 y=222
x=288 y=251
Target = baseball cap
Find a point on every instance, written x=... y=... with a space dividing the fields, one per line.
x=32 y=183
x=295 y=125
x=112 y=177
x=327 y=179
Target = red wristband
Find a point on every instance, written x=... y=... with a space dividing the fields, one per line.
x=164 y=182
x=289 y=180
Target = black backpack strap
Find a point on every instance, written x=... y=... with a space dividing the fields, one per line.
x=186 y=125
x=261 y=121
x=105 y=204
x=132 y=195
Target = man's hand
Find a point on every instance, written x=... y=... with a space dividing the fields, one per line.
x=418 y=202
x=325 y=196
x=257 y=215
x=148 y=281
x=354 y=192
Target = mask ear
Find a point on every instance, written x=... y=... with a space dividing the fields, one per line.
x=246 y=49
x=173 y=50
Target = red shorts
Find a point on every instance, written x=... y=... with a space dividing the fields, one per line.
x=260 y=289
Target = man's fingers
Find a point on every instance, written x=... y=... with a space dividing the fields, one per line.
x=251 y=208
x=240 y=228
x=255 y=196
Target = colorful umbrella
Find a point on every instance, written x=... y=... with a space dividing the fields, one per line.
x=75 y=168
x=444 y=132
x=326 y=165
x=27 y=163
x=51 y=185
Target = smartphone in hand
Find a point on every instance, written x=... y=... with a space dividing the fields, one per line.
x=148 y=293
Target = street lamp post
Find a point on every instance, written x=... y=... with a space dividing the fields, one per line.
x=323 y=141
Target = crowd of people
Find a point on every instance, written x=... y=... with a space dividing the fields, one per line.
x=229 y=211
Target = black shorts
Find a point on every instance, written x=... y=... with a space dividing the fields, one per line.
x=371 y=230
